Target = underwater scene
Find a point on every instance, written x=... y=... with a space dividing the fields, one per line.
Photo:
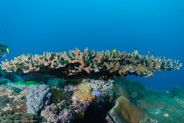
x=91 y=61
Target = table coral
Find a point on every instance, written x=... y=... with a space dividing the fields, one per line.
x=79 y=64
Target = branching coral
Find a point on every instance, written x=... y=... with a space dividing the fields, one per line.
x=104 y=87
x=90 y=63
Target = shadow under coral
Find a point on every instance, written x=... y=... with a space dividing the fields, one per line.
x=96 y=112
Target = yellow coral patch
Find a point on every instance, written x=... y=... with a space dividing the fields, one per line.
x=83 y=93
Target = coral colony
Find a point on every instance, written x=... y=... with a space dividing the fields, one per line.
x=78 y=63
x=85 y=87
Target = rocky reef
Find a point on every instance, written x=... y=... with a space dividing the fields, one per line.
x=127 y=102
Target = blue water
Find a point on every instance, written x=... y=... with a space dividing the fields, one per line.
x=35 y=26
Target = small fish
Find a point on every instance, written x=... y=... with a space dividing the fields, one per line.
x=8 y=50
x=114 y=50
x=136 y=52
x=148 y=52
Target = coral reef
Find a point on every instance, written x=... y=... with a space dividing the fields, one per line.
x=4 y=81
x=57 y=95
x=138 y=103
x=104 y=87
x=50 y=113
x=38 y=97
x=85 y=90
x=123 y=111
x=79 y=64
x=157 y=106
x=3 y=49
x=69 y=105
x=177 y=92
x=20 y=118
x=82 y=93
x=57 y=82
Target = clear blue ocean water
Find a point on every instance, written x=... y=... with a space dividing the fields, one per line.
x=35 y=26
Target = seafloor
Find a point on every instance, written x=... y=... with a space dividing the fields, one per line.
x=44 y=98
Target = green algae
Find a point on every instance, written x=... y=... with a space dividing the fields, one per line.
x=19 y=83
x=28 y=83
x=32 y=83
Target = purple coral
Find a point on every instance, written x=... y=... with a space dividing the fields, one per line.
x=97 y=93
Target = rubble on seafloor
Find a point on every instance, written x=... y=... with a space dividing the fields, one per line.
x=91 y=101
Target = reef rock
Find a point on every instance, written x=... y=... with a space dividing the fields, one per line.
x=124 y=112
x=4 y=81
x=178 y=92
x=57 y=82
x=37 y=97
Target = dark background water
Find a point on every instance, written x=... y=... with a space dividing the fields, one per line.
x=35 y=26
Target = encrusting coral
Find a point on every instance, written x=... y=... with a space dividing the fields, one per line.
x=124 y=111
x=83 y=93
x=90 y=63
